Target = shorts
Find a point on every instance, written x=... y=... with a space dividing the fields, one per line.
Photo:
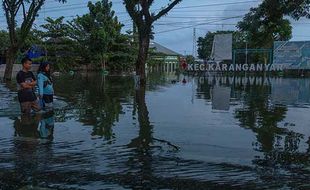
x=27 y=107
x=48 y=98
x=47 y=101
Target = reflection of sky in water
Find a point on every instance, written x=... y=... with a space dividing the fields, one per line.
x=228 y=130
x=283 y=90
x=6 y=97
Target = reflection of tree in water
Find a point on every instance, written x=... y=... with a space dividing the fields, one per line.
x=279 y=145
x=33 y=146
x=142 y=144
x=141 y=166
x=159 y=80
x=204 y=89
x=99 y=102
x=260 y=116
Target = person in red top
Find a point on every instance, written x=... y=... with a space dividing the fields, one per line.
x=183 y=64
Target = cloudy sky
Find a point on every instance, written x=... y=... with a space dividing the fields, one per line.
x=175 y=30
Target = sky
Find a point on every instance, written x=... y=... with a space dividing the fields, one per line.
x=176 y=30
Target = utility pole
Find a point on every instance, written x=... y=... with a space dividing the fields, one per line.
x=194 y=43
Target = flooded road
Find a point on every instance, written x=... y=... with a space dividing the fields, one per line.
x=211 y=132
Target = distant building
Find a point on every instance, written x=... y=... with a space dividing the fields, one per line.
x=163 y=59
x=35 y=51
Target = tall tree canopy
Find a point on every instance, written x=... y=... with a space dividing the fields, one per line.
x=267 y=23
x=97 y=30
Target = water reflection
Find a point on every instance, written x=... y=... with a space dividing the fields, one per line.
x=285 y=91
x=263 y=105
x=97 y=103
x=141 y=158
x=31 y=151
x=112 y=133
x=35 y=126
x=221 y=98
x=259 y=115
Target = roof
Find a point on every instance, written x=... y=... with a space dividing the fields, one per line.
x=161 y=49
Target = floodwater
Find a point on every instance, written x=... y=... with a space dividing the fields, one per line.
x=210 y=132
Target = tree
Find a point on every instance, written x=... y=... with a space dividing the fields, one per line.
x=296 y=9
x=97 y=30
x=54 y=28
x=190 y=59
x=59 y=47
x=4 y=40
x=122 y=53
x=29 y=9
x=266 y=23
x=143 y=18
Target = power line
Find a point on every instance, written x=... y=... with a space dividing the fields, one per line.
x=189 y=21
x=208 y=5
x=181 y=28
x=73 y=6
x=208 y=10
x=218 y=4
x=205 y=16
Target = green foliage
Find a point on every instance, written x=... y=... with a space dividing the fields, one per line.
x=59 y=47
x=296 y=9
x=123 y=53
x=29 y=10
x=91 y=38
x=54 y=29
x=155 y=58
x=265 y=24
x=96 y=31
x=190 y=59
x=32 y=38
x=4 y=40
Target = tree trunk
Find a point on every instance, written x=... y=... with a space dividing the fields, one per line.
x=143 y=113
x=144 y=42
x=10 y=60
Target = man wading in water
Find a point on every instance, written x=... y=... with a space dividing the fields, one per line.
x=26 y=84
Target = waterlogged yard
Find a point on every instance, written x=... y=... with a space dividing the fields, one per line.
x=209 y=132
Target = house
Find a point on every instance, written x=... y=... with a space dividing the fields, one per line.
x=163 y=59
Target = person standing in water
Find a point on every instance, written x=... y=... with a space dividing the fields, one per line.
x=45 y=85
x=26 y=84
